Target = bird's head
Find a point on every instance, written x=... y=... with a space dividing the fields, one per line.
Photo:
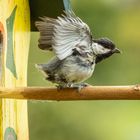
x=103 y=48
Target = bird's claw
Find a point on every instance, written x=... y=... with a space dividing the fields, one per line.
x=80 y=86
x=60 y=87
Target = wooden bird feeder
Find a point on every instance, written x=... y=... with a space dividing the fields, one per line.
x=16 y=16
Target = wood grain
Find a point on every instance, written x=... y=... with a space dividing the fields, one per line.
x=15 y=18
x=89 y=93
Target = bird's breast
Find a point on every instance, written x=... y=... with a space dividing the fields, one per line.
x=77 y=70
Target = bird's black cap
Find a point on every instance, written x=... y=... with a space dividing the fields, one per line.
x=105 y=42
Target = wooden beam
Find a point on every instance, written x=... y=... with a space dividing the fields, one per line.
x=89 y=93
x=15 y=42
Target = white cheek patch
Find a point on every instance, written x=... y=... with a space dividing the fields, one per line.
x=98 y=49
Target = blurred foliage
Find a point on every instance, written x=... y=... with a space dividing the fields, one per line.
x=118 y=20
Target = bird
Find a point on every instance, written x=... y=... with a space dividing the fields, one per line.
x=76 y=51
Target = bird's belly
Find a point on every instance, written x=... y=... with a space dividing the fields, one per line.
x=77 y=74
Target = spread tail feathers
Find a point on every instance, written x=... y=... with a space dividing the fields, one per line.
x=42 y=68
x=50 y=68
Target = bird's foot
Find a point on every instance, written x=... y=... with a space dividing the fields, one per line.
x=62 y=86
x=80 y=86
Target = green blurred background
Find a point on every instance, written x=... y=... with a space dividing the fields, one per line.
x=118 y=20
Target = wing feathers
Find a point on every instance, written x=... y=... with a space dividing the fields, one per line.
x=46 y=29
x=63 y=34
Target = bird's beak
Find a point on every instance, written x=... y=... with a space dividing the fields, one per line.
x=116 y=50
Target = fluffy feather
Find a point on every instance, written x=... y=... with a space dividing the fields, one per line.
x=76 y=52
x=63 y=34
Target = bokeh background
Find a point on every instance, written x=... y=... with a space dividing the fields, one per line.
x=118 y=20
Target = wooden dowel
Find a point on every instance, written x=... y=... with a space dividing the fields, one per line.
x=88 y=93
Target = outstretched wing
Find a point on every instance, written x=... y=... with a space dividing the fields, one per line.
x=64 y=34
x=46 y=29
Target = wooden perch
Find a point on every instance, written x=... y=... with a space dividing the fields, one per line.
x=88 y=93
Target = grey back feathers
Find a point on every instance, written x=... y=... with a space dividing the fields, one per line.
x=64 y=34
